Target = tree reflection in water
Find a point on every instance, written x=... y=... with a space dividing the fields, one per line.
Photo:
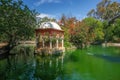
x=49 y=68
x=25 y=66
x=18 y=66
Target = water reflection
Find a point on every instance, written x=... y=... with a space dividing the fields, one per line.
x=76 y=65
x=13 y=67
x=49 y=68
x=24 y=65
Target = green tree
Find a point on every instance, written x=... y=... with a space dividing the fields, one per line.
x=95 y=28
x=17 y=22
x=116 y=31
x=106 y=11
x=80 y=36
x=86 y=32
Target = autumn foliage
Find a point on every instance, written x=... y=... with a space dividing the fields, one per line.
x=79 y=33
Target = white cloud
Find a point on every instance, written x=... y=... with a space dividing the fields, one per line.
x=42 y=15
x=39 y=2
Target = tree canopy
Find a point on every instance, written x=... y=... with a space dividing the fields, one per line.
x=17 y=21
x=108 y=12
x=82 y=33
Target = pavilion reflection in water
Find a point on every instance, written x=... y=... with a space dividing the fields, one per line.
x=49 y=68
x=31 y=67
x=49 y=38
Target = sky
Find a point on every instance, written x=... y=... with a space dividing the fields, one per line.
x=70 y=8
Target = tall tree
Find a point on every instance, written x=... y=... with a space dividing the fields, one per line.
x=116 y=30
x=68 y=24
x=17 y=22
x=106 y=11
x=86 y=32
x=95 y=28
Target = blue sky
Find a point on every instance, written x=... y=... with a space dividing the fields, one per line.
x=55 y=8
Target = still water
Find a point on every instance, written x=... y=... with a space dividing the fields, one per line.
x=94 y=63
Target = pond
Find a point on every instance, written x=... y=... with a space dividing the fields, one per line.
x=94 y=63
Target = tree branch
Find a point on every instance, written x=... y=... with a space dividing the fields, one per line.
x=113 y=19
